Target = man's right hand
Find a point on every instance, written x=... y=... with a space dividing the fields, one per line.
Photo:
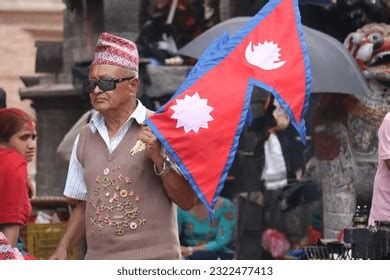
x=75 y=230
x=60 y=254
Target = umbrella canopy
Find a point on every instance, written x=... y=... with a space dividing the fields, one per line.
x=333 y=68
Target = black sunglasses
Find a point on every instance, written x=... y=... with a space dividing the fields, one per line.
x=106 y=84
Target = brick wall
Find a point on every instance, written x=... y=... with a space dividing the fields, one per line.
x=21 y=24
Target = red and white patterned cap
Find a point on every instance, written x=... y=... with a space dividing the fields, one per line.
x=114 y=50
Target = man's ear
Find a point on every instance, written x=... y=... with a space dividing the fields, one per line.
x=134 y=85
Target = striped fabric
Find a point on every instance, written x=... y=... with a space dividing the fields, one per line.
x=113 y=50
x=75 y=186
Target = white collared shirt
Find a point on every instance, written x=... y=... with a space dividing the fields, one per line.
x=75 y=185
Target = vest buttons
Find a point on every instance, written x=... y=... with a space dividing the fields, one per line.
x=133 y=225
x=123 y=193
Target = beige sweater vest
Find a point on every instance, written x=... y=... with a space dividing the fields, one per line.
x=128 y=213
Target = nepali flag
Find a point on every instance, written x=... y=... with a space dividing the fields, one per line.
x=201 y=124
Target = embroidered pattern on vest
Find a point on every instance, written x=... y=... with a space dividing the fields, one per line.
x=115 y=203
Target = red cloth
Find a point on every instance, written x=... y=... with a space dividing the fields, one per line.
x=30 y=258
x=15 y=206
x=313 y=235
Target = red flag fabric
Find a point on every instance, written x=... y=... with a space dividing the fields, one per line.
x=201 y=124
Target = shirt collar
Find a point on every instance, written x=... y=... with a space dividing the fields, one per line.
x=139 y=114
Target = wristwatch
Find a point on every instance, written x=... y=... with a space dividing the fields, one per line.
x=165 y=169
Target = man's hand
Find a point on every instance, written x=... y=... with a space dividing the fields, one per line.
x=176 y=187
x=75 y=230
x=60 y=254
x=153 y=146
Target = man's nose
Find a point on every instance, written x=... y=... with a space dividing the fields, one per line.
x=97 y=90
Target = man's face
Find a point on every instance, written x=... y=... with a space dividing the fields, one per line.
x=24 y=141
x=124 y=93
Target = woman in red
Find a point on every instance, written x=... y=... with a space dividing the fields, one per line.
x=17 y=147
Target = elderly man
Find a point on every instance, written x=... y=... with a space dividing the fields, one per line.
x=126 y=201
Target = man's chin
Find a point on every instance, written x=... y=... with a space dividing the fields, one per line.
x=100 y=106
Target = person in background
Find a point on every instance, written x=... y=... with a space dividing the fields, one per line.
x=380 y=206
x=17 y=147
x=125 y=201
x=64 y=149
x=202 y=240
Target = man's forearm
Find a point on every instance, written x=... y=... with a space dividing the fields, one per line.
x=179 y=191
x=75 y=229
x=177 y=188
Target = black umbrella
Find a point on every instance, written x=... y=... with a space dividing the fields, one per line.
x=333 y=68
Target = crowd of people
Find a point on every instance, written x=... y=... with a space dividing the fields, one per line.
x=139 y=203
x=127 y=201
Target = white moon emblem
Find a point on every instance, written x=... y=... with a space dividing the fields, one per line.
x=265 y=56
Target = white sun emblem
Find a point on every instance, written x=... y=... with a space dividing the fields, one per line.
x=192 y=113
x=266 y=55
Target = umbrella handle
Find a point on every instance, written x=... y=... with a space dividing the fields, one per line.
x=172 y=11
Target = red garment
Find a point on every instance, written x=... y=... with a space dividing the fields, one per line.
x=30 y=258
x=313 y=235
x=15 y=206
